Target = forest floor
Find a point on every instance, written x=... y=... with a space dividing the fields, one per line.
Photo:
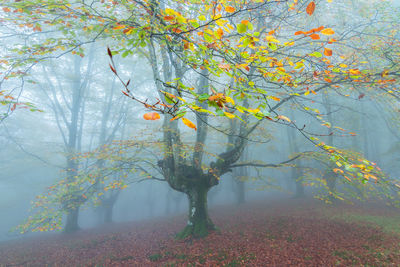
x=292 y=232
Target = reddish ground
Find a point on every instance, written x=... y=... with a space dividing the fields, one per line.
x=288 y=233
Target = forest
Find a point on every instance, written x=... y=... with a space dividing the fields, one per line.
x=199 y=133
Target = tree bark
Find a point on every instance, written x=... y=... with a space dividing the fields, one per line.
x=71 y=224
x=199 y=223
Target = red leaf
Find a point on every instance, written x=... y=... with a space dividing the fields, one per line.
x=113 y=70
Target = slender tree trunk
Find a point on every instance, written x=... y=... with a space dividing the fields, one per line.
x=330 y=176
x=108 y=213
x=296 y=177
x=239 y=185
x=72 y=205
x=199 y=223
x=240 y=193
x=296 y=173
x=71 y=224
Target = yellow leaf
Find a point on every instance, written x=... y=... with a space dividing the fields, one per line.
x=229 y=100
x=327 y=31
x=229 y=115
x=284 y=118
x=189 y=124
x=270 y=38
x=254 y=110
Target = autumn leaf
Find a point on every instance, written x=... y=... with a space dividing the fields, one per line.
x=275 y=98
x=336 y=170
x=6 y=9
x=224 y=66
x=189 y=124
x=169 y=18
x=328 y=52
x=299 y=32
x=151 y=116
x=216 y=97
x=282 y=117
x=230 y=9
x=327 y=31
x=119 y=27
x=229 y=115
x=310 y=8
x=315 y=36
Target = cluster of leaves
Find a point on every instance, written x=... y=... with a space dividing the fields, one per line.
x=363 y=179
x=102 y=171
x=12 y=104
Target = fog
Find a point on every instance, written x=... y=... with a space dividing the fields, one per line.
x=201 y=116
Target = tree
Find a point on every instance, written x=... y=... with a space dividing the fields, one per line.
x=271 y=59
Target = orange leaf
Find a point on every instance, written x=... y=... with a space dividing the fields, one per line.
x=216 y=97
x=175 y=118
x=327 y=31
x=224 y=66
x=168 y=18
x=6 y=9
x=299 y=32
x=189 y=124
x=220 y=32
x=310 y=8
x=328 y=52
x=151 y=116
x=118 y=27
x=230 y=9
x=336 y=170
x=275 y=98
x=347 y=178
x=314 y=36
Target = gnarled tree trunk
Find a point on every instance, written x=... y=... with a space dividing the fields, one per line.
x=199 y=223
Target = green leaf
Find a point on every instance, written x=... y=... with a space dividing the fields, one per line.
x=316 y=54
x=241 y=28
x=203 y=97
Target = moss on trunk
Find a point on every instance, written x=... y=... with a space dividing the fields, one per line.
x=199 y=223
